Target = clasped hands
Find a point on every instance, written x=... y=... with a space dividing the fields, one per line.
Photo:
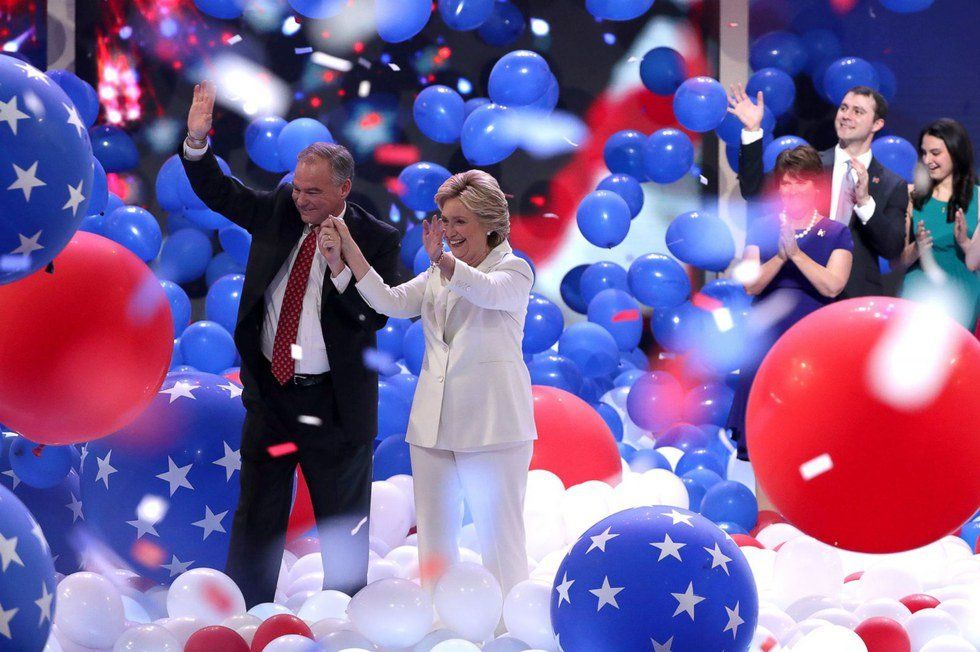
x=333 y=239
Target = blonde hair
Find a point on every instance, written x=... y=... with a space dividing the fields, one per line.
x=480 y=193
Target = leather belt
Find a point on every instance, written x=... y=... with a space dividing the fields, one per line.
x=308 y=380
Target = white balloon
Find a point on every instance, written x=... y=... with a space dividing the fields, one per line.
x=468 y=537
x=927 y=624
x=183 y=627
x=672 y=454
x=378 y=547
x=763 y=640
x=948 y=643
x=324 y=604
x=407 y=558
x=434 y=638
x=241 y=620
x=837 y=616
x=777 y=533
x=455 y=645
x=133 y=611
x=762 y=562
x=343 y=640
x=506 y=644
x=293 y=643
x=89 y=610
x=967 y=616
x=469 y=601
x=406 y=485
x=309 y=582
x=778 y=622
x=808 y=625
x=654 y=487
x=297 y=600
x=383 y=569
x=155 y=602
x=52 y=644
x=206 y=594
x=545 y=532
x=67 y=645
x=527 y=613
x=147 y=638
x=805 y=607
x=266 y=610
x=883 y=608
x=888 y=581
x=392 y=612
x=831 y=637
x=311 y=563
x=806 y=567
x=329 y=625
x=390 y=513
x=584 y=505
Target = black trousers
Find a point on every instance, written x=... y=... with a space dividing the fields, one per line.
x=338 y=473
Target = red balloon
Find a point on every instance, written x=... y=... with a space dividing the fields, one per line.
x=214 y=638
x=301 y=518
x=276 y=626
x=84 y=349
x=883 y=635
x=742 y=540
x=850 y=442
x=766 y=518
x=573 y=442
x=919 y=601
x=235 y=377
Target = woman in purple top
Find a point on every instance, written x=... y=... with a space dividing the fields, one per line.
x=791 y=266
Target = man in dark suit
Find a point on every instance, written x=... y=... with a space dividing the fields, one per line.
x=302 y=333
x=864 y=194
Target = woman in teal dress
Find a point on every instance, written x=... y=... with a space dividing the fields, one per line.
x=943 y=222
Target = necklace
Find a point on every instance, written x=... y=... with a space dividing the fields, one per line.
x=802 y=234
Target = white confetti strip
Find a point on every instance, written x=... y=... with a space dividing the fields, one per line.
x=817 y=466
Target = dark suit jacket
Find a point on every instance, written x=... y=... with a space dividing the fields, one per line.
x=348 y=323
x=883 y=235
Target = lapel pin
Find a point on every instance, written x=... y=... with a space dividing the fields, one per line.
x=820 y=233
x=874 y=180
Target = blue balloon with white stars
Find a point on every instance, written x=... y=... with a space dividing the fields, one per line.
x=162 y=491
x=27 y=592
x=657 y=578
x=46 y=169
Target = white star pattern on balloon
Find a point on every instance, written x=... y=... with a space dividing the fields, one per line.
x=606 y=594
x=27 y=180
x=8 y=552
x=663 y=647
x=75 y=198
x=734 y=620
x=28 y=245
x=181 y=389
x=39 y=535
x=600 y=540
x=44 y=604
x=211 y=522
x=231 y=461
x=686 y=601
x=176 y=476
x=33 y=73
x=10 y=473
x=234 y=391
x=176 y=567
x=105 y=469
x=718 y=558
x=73 y=118
x=143 y=527
x=563 y=590
x=677 y=517
x=10 y=114
x=6 y=615
x=76 y=508
x=668 y=548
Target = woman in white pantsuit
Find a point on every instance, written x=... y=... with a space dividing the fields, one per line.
x=472 y=422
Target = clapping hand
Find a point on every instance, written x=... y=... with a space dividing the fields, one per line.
x=959 y=230
x=861 y=185
x=787 y=242
x=923 y=237
x=742 y=107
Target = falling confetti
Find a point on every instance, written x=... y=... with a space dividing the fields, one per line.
x=817 y=466
x=280 y=450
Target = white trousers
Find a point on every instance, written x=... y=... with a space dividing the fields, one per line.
x=493 y=483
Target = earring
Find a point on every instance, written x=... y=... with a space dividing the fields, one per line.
x=489 y=232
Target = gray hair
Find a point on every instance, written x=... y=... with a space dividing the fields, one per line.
x=338 y=156
x=480 y=193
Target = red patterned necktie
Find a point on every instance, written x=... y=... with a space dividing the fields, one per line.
x=283 y=364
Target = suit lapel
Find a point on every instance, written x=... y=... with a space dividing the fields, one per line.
x=827 y=158
x=289 y=233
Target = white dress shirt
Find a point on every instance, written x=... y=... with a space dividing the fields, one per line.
x=312 y=354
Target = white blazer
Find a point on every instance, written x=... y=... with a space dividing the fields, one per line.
x=474 y=390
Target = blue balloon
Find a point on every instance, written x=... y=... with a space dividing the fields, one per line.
x=504 y=25
x=679 y=328
x=393 y=410
x=473 y=104
x=591 y=347
x=701 y=240
x=414 y=344
x=612 y=419
x=57 y=509
x=400 y=20
x=773 y=150
x=778 y=50
x=296 y=136
x=411 y=243
x=422 y=260
x=571 y=290
x=391 y=337
x=778 y=89
x=646 y=459
x=593 y=389
x=732 y=502
x=896 y=154
x=262 y=142
x=730 y=528
x=237 y=242
x=184 y=449
x=626 y=187
x=704 y=477
x=527 y=259
x=81 y=93
x=626 y=451
x=221 y=265
x=824 y=47
x=906 y=6
x=47 y=172
x=100 y=189
x=465 y=15
x=483 y=138
x=175 y=360
x=709 y=403
x=318 y=9
x=618 y=313
x=700 y=458
x=41 y=467
x=700 y=104
x=180 y=305
x=439 y=112
x=224 y=9
x=542 y=326
x=628 y=377
x=970 y=532
x=418 y=184
x=668 y=155
x=658 y=281
x=601 y=276
x=663 y=70
x=652 y=401
x=603 y=217
x=846 y=73
x=887 y=81
x=695 y=493
x=618 y=9
x=221 y=303
x=392 y=457
x=548 y=100
x=136 y=229
x=693 y=590
x=555 y=370
x=519 y=78
x=168 y=184
x=406 y=383
x=623 y=154
x=683 y=436
x=637 y=358
x=729 y=292
x=113 y=202
x=184 y=256
x=114 y=148
x=207 y=346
